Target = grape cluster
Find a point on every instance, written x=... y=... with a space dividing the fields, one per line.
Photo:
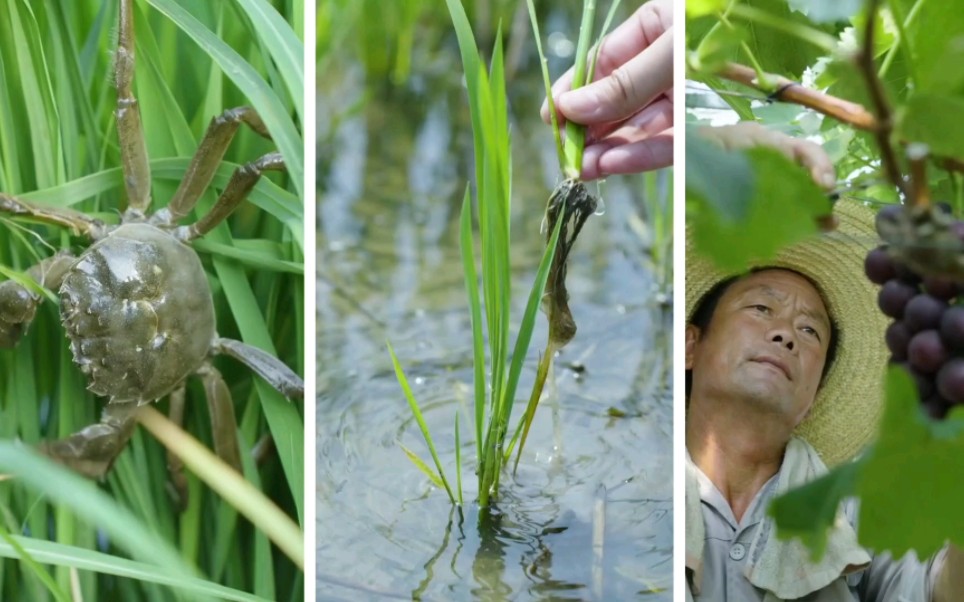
x=927 y=334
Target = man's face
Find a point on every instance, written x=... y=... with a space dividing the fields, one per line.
x=767 y=342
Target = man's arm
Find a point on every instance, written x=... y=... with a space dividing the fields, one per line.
x=950 y=580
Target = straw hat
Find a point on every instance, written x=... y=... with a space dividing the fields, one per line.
x=848 y=406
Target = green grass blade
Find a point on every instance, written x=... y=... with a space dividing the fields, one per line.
x=421 y=465
x=529 y=318
x=553 y=118
x=478 y=342
x=254 y=259
x=283 y=46
x=262 y=97
x=575 y=140
x=83 y=559
x=458 y=459
x=83 y=499
x=613 y=7
x=417 y=413
x=235 y=490
x=17 y=550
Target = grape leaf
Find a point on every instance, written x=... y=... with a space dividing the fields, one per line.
x=934 y=120
x=936 y=37
x=718 y=178
x=912 y=484
x=782 y=210
x=809 y=511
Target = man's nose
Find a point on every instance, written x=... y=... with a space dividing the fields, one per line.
x=783 y=334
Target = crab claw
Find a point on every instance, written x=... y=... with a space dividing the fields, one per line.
x=92 y=450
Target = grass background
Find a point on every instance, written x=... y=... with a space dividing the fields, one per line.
x=58 y=145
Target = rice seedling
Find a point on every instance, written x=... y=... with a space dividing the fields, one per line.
x=64 y=537
x=496 y=370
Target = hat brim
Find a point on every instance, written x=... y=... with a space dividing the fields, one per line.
x=848 y=405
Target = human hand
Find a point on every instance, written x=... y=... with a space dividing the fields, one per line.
x=748 y=134
x=628 y=108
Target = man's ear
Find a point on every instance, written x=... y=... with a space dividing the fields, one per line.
x=692 y=339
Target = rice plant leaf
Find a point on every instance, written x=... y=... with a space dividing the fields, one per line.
x=458 y=458
x=18 y=551
x=421 y=465
x=417 y=413
x=575 y=140
x=56 y=554
x=282 y=44
x=262 y=97
x=238 y=492
x=252 y=259
x=529 y=320
x=613 y=7
x=478 y=342
x=83 y=499
x=553 y=118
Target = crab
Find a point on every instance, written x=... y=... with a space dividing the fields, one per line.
x=136 y=305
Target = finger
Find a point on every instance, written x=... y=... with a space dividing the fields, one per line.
x=629 y=87
x=654 y=118
x=645 y=155
x=815 y=159
x=648 y=24
x=630 y=38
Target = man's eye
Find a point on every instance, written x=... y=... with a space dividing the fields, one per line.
x=762 y=308
x=812 y=331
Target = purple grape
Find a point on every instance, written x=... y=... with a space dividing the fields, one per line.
x=952 y=328
x=950 y=380
x=898 y=337
x=906 y=274
x=926 y=351
x=941 y=288
x=879 y=266
x=893 y=298
x=923 y=312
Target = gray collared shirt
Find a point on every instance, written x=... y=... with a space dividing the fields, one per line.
x=727 y=543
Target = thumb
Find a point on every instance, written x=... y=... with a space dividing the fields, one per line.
x=626 y=89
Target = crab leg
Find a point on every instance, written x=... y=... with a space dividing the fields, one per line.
x=268 y=367
x=92 y=450
x=18 y=304
x=60 y=216
x=224 y=424
x=242 y=181
x=177 y=486
x=130 y=132
x=207 y=158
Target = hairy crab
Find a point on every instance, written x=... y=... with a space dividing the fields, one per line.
x=136 y=304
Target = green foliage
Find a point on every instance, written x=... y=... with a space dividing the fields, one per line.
x=58 y=145
x=771 y=186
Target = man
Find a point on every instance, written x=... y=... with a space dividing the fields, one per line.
x=785 y=367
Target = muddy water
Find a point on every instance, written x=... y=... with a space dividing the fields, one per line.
x=588 y=516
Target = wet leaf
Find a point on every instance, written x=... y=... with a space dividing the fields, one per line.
x=421 y=465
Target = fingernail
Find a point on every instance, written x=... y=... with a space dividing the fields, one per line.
x=580 y=105
x=829 y=180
